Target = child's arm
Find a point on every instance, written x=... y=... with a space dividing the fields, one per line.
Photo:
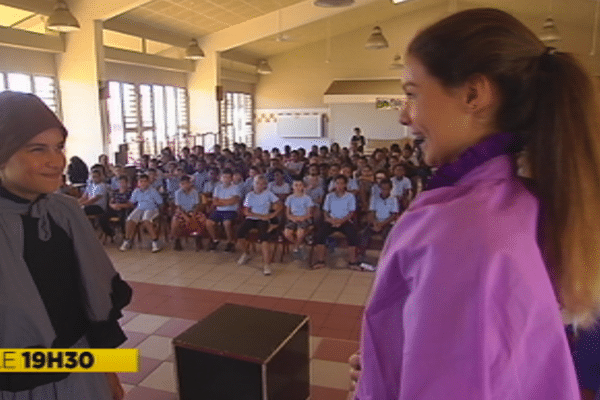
x=277 y=208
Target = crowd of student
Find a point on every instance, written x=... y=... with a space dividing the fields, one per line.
x=289 y=193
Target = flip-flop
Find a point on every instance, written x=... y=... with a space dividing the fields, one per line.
x=318 y=265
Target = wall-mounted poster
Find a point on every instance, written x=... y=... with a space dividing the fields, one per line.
x=388 y=104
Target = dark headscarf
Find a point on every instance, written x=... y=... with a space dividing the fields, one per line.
x=22 y=117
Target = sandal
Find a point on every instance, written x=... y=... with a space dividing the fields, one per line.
x=318 y=265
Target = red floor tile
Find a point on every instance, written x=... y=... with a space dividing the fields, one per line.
x=317 y=307
x=264 y=302
x=142 y=393
x=323 y=393
x=239 y=298
x=174 y=327
x=317 y=320
x=290 y=305
x=333 y=333
x=335 y=350
x=346 y=309
x=341 y=322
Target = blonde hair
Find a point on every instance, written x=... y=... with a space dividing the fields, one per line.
x=550 y=100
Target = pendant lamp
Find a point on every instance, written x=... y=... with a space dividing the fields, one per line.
x=376 y=41
x=549 y=35
x=397 y=63
x=264 y=68
x=193 y=51
x=61 y=19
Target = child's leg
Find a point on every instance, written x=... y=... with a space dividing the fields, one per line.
x=228 y=225
x=150 y=227
x=210 y=227
x=265 y=248
x=300 y=234
x=289 y=235
x=130 y=229
x=176 y=227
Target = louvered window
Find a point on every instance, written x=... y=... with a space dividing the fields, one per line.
x=148 y=118
x=42 y=86
x=235 y=119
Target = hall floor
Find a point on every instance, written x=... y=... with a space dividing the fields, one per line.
x=173 y=290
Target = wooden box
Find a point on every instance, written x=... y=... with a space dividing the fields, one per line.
x=244 y=353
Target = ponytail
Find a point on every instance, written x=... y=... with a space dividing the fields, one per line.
x=550 y=100
x=564 y=154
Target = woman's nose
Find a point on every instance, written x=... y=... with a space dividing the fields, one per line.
x=404 y=117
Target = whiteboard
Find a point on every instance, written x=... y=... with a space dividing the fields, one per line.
x=299 y=124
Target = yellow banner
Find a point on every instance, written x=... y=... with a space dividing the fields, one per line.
x=69 y=360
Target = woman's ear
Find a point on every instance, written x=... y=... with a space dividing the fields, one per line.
x=480 y=94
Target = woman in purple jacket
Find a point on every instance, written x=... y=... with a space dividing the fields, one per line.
x=475 y=275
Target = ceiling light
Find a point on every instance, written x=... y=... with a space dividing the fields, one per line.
x=193 y=51
x=61 y=19
x=397 y=1
x=376 y=41
x=333 y=3
x=549 y=33
x=397 y=63
x=264 y=68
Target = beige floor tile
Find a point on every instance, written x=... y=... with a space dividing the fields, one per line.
x=162 y=378
x=157 y=347
x=181 y=281
x=353 y=300
x=159 y=279
x=226 y=286
x=145 y=323
x=325 y=296
x=249 y=289
x=329 y=374
x=298 y=294
x=235 y=277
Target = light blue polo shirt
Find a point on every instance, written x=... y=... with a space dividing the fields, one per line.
x=384 y=207
x=187 y=201
x=98 y=189
x=400 y=186
x=339 y=207
x=351 y=186
x=224 y=193
x=299 y=206
x=260 y=203
x=279 y=189
x=199 y=179
x=146 y=200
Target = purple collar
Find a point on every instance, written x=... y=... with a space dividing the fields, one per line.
x=493 y=146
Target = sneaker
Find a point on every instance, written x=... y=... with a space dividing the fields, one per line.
x=267 y=270
x=155 y=247
x=367 y=267
x=177 y=245
x=296 y=254
x=230 y=247
x=243 y=259
x=126 y=245
x=213 y=244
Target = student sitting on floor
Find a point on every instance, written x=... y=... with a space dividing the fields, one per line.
x=299 y=209
x=339 y=208
x=383 y=211
x=257 y=206
x=147 y=201
x=225 y=199
x=188 y=219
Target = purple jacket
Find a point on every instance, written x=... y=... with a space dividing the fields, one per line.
x=462 y=306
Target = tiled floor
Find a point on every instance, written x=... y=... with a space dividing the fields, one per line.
x=173 y=290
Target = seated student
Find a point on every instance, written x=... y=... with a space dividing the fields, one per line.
x=249 y=182
x=257 y=209
x=315 y=191
x=339 y=208
x=147 y=201
x=352 y=187
x=95 y=199
x=155 y=182
x=383 y=211
x=295 y=165
x=172 y=182
x=225 y=199
x=279 y=186
x=380 y=175
x=209 y=185
x=366 y=179
x=238 y=181
x=200 y=175
x=401 y=185
x=313 y=170
x=187 y=219
x=114 y=180
x=118 y=203
x=299 y=210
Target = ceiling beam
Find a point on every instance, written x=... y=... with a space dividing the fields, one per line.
x=36 y=6
x=146 y=31
x=31 y=40
x=147 y=60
